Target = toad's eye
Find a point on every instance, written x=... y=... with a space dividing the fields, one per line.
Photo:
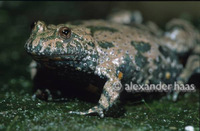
x=65 y=32
x=33 y=25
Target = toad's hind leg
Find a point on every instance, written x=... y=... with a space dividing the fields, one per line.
x=192 y=67
x=108 y=97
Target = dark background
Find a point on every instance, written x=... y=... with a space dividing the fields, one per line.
x=16 y=18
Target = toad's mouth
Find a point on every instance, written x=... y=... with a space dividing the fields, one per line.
x=54 y=57
x=59 y=57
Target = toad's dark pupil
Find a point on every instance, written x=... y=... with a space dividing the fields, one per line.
x=65 y=32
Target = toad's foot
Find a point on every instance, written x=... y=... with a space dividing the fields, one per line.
x=95 y=110
x=108 y=97
x=173 y=95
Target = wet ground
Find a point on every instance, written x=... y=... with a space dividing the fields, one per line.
x=19 y=111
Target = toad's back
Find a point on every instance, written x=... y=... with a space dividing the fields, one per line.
x=135 y=53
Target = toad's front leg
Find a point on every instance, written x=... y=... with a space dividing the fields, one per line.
x=109 y=96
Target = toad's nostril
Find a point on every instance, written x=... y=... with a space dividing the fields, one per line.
x=41 y=26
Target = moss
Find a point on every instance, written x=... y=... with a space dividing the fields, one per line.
x=24 y=113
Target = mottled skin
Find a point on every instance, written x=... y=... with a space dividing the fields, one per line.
x=117 y=53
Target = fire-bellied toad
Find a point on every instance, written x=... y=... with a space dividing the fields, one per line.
x=115 y=52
